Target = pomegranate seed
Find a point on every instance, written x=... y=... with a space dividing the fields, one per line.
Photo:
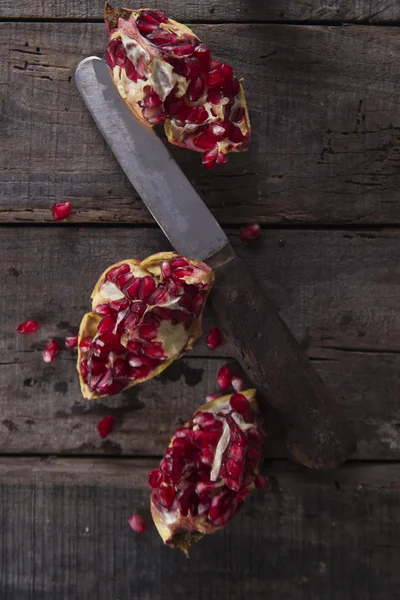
x=166 y=495
x=132 y=291
x=137 y=523
x=103 y=309
x=112 y=48
x=261 y=482
x=233 y=468
x=153 y=351
x=215 y=78
x=222 y=508
x=105 y=426
x=153 y=16
x=147 y=287
x=61 y=210
x=106 y=324
x=237 y=452
x=153 y=115
x=203 y=54
x=155 y=478
x=207 y=456
x=250 y=232
x=114 y=273
x=159 y=296
x=203 y=438
x=28 y=327
x=147 y=332
x=118 y=305
x=237 y=383
x=105 y=382
x=71 y=342
x=240 y=404
x=160 y=37
x=152 y=100
x=214 y=96
x=213 y=157
x=85 y=344
x=197 y=114
x=235 y=86
x=212 y=397
x=226 y=70
x=205 y=140
x=184 y=49
x=120 y=368
x=130 y=70
x=84 y=369
x=146 y=28
x=224 y=378
x=179 y=261
x=207 y=420
x=51 y=350
x=196 y=89
x=238 y=114
x=214 y=338
x=124 y=280
x=281 y=243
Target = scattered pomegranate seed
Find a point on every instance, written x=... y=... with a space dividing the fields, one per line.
x=250 y=232
x=28 y=327
x=50 y=350
x=214 y=338
x=105 y=426
x=61 y=210
x=281 y=243
x=212 y=397
x=71 y=342
x=224 y=378
x=261 y=481
x=137 y=523
x=237 y=383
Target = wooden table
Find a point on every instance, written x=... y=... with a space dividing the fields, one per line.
x=323 y=174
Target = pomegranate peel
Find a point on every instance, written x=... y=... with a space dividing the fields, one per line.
x=209 y=469
x=144 y=315
x=166 y=75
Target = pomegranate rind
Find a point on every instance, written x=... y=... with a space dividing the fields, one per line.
x=153 y=68
x=179 y=531
x=149 y=266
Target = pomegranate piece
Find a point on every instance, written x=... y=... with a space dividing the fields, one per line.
x=250 y=232
x=224 y=378
x=214 y=338
x=71 y=342
x=166 y=75
x=105 y=426
x=137 y=523
x=206 y=475
x=61 y=210
x=28 y=327
x=50 y=350
x=144 y=315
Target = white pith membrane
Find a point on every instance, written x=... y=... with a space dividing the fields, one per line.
x=208 y=470
x=166 y=75
x=144 y=315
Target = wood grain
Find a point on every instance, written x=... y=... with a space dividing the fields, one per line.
x=65 y=534
x=234 y=10
x=338 y=291
x=324 y=107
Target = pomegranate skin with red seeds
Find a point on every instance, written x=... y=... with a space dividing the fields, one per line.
x=209 y=469
x=144 y=315
x=166 y=75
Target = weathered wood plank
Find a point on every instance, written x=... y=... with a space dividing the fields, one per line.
x=64 y=534
x=324 y=107
x=224 y=10
x=338 y=291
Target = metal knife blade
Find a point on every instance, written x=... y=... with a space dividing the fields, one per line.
x=171 y=199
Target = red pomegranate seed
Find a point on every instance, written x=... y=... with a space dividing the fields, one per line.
x=214 y=338
x=124 y=280
x=153 y=350
x=203 y=438
x=147 y=332
x=159 y=296
x=104 y=385
x=137 y=523
x=84 y=368
x=166 y=495
x=155 y=478
x=114 y=273
x=233 y=468
x=203 y=54
x=61 y=210
x=138 y=372
x=71 y=342
x=107 y=324
x=196 y=89
x=222 y=508
x=281 y=243
x=111 y=50
x=237 y=383
x=224 y=378
x=105 y=426
x=85 y=344
x=197 y=114
x=206 y=420
x=183 y=49
x=250 y=232
x=147 y=287
x=103 y=309
x=240 y=405
x=205 y=140
x=226 y=71
x=120 y=368
x=160 y=37
x=130 y=70
x=215 y=78
x=28 y=327
x=51 y=350
x=213 y=157
x=179 y=261
x=261 y=481
x=146 y=28
x=237 y=452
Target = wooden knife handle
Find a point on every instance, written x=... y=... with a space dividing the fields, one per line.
x=317 y=433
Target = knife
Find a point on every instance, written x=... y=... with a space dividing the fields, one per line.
x=316 y=432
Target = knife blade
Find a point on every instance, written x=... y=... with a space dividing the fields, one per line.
x=317 y=434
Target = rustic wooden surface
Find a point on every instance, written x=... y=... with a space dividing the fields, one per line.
x=323 y=175
x=324 y=108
